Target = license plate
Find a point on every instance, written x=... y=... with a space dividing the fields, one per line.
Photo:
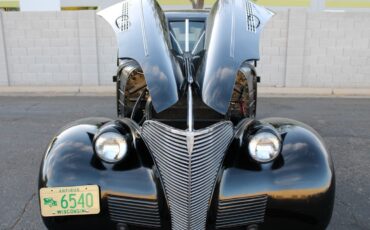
x=70 y=201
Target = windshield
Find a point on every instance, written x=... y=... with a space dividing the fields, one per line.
x=196 y=35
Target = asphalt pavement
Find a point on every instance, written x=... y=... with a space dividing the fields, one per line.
x=28 y=123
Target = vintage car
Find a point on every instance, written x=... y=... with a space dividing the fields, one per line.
x=186 y=151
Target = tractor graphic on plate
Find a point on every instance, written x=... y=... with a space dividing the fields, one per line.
x=50 y=201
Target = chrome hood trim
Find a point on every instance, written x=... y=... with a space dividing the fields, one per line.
x=142 y=34
x=188 y=164
x=232 y=37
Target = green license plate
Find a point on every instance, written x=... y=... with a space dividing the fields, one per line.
x=70 y=201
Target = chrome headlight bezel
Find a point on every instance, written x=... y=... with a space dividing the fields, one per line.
x=268 y=141
x=116 y=147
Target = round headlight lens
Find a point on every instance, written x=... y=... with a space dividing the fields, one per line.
x=111 y=147
x=264 y=147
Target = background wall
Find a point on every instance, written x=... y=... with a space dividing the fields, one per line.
x=300 y=48
x=316 y=49
x=39 y=5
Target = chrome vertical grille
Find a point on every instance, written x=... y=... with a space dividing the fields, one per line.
x=241 y=211
x=188 y=163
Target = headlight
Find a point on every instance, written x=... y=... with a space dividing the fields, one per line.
x=111 y=147
x=264 y=147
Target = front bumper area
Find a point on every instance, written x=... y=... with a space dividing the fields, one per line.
x=295 y=192
x=117 y=212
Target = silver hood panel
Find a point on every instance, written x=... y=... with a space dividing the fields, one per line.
x=232 y=37
x=142 y=35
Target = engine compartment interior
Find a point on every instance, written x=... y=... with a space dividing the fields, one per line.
x=134 y=101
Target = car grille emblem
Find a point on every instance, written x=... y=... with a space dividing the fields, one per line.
x=190 y=142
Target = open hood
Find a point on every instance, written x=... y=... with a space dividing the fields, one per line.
x=232 y=37
x=142 y=35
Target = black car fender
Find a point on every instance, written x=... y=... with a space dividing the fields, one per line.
x=299 y=184
x=70 y=161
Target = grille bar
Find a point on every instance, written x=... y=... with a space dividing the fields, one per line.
x=134 y=212
x=241 y=211
x=188 y=163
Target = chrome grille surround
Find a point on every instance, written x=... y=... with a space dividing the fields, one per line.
x=241 y=211
x=188 y=163
x=139 y=212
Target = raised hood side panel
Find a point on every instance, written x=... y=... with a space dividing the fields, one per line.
x=142 y=35
x=233 y=34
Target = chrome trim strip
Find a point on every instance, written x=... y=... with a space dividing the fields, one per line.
x=143 y=30
x=190 y=109
x=187 y=45
x=232 y=39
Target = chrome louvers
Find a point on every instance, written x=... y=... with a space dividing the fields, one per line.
x=241 y=211
x=123 y=22
x=188 y=163
x=146 y=212
x=252 y=20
